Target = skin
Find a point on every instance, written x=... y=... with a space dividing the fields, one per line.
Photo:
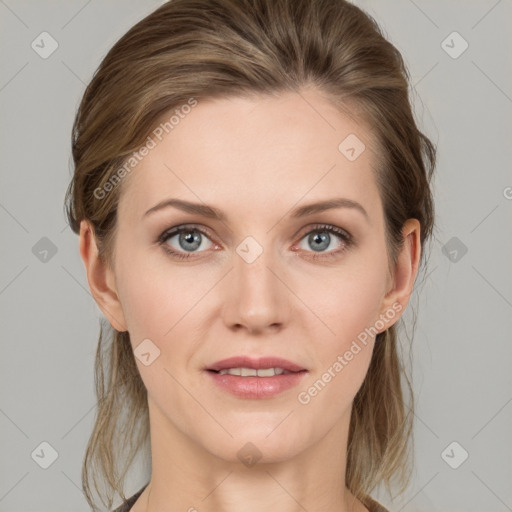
x=256 y=160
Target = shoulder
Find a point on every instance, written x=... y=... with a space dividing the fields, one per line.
x=373 y=506
x=128 y=504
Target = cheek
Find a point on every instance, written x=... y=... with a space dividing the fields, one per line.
x=350 y=301
x=343 y=355
x=153 y=298
x=349 y=307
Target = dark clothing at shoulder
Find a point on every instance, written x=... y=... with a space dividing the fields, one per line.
x=127 y=505
x=369 y=503
x=374 y=506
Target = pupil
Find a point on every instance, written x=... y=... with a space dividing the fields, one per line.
x=320 y=238
x=189 y=238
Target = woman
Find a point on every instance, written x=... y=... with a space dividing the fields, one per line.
x=252 y=196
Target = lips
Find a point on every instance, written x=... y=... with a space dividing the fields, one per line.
x=256 y=363
x=242 y=382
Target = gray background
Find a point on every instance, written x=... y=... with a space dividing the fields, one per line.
x=462 y=351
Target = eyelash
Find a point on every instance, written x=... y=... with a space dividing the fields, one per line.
x=347 y=239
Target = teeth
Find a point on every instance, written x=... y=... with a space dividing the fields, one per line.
x=251 y=372
x=267 y=372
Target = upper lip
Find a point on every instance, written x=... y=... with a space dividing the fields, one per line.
x=258 y=363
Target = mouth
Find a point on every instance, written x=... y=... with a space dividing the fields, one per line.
x=248 y=365
x=253 y=372
x=251 y=378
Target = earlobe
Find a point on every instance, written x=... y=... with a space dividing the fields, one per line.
x=100 y=278
x=406 y=269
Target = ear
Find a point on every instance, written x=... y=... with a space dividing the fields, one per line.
x=405 y=271
x=101 y=279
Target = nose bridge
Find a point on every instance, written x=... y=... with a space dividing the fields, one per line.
x=257 y=297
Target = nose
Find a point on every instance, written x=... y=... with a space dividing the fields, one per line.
x=256 y=299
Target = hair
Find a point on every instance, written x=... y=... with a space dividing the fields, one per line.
x=207 y=49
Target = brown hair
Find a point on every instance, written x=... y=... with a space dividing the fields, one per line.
x=219 y=48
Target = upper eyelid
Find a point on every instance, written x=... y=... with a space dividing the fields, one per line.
x=168 y=233
x=171 y=232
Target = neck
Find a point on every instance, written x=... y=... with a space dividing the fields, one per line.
x=185 y=476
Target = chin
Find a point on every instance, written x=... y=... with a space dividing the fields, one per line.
x=254 y=445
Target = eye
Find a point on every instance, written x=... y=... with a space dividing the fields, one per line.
x=189 y=239
x=320 y=239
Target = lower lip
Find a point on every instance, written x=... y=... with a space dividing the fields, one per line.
x=256 y=387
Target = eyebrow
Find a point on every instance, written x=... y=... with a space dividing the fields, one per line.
x=214 y=213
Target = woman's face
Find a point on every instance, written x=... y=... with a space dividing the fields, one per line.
x=270 y=279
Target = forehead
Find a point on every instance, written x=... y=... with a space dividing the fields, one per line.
x=256 y=154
